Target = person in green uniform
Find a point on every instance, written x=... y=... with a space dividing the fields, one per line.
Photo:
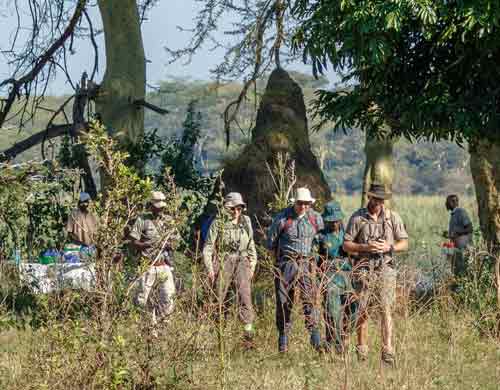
x=334 y=276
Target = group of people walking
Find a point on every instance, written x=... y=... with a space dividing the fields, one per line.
x=315 y=255
x=343 y=269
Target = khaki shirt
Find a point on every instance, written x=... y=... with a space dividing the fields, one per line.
x=362 y=228
x=236 y=238
x=147 y=229
x=82 y=226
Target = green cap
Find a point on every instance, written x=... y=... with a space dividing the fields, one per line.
x=332 y=212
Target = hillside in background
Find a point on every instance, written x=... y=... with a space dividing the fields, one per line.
x=421 y=168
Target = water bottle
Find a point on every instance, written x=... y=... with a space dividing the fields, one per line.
x=17 y=256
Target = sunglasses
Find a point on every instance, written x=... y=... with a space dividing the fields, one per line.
x=239 y=208
x=302 y=203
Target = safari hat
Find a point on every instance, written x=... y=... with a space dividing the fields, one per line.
x=234 y=199
x=84 y=197
x=379 y=191
x=158 y=199
x=332 y=212
x=303 y=195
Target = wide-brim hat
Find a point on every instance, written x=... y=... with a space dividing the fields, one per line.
x=379 y=191
x=303 y=194
x=234 y=199
x=332 y=212
x=158 y=199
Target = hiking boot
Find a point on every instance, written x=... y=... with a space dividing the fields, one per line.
x=316 y=340
x=362 y=352
x=248 y=340
x=389 y=358
x=283 y=343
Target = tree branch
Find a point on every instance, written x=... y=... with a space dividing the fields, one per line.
x=15 y=90
x=141 y=102
x=35 y=139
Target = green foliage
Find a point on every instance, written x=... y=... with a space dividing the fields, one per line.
x=477 y=292
x=425 y=67
x=35 y=199
x=423 y=167
x=178 y=154
x=284 y=179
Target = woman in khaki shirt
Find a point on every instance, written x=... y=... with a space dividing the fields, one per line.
x=230 y=258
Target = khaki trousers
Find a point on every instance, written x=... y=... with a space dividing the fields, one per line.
x=156 y=291
x=236 y=271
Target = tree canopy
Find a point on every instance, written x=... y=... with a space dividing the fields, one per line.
x=424 y=66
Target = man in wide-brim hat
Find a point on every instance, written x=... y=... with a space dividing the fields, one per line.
x=290 y=238
x=147 y=235
x=373 y=235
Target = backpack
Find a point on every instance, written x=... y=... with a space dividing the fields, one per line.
x=204 y=228
x=289 y=222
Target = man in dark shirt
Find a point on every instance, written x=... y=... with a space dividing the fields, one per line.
x=460 y=233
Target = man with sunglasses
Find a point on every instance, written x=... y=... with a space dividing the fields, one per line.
x=230 y=258
x=372 y=236
x=290 y=237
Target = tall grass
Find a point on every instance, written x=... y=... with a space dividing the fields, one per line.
x=437 y=344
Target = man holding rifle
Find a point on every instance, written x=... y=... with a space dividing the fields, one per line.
x=147 y=238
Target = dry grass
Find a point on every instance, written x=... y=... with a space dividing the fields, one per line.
x=437 y=344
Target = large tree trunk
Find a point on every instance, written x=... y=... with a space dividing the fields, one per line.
x=485 y=168
x=125 y=78
x=379 y=166
x=281 y=126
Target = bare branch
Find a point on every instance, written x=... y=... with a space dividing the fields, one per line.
x=25 y=81
x=152 y=107
x=33 y=140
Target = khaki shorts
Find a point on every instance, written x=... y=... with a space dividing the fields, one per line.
x=376 y=288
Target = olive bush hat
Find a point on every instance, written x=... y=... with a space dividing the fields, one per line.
x=379 y=191
x=332 y=212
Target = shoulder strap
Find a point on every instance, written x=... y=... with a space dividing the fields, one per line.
x=313 y=221
x=289 y=221
x=247 y=224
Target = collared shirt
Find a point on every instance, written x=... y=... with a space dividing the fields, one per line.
x=459 y=219
x=148 y=228
x=362 y=228
x=82 y=225
x=293 y=236
x=236 y=238
x=327 y=245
